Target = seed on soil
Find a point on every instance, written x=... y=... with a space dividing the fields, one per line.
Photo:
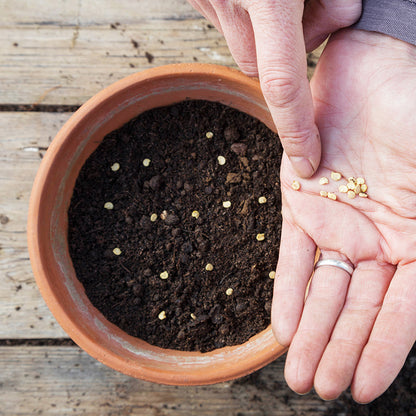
x=153 y=217
x=296 y=185
x=272 y=275
x=195 y=214
x=209 y=134
x=332 y=196
x=162 y=315
x=364 y=187
x=343 y=189
x=260 y=237
x=108 y=205
x=363 y=195
x=115 y=167
x=164 y=275
x=209 y=267
x=226 y=204
x=229 y=291
x=262 y=200
x=323 y=181
x=351 y=194
x=193 y=316
x=336 y=176
x=221 y=160
x=146 y=162
x=163 y=215
x=323 y=193
x=117 y=251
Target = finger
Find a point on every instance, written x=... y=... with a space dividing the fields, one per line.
x=281 y=62
x=325 y=300
x=206 y=9
x=365 y=296
x=391 y=339
x=294 y=269
x=323 y=17
x=238 y=32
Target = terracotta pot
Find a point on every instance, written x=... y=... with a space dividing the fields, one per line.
x=47 y=225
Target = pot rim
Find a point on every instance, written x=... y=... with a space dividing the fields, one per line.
x=261 y=349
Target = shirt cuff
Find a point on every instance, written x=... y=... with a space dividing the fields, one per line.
x=396 y=18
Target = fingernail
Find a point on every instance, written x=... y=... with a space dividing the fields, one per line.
x=303 y=166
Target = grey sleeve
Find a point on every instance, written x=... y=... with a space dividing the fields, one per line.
x=396 y=18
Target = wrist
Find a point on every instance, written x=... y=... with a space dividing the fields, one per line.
x=388 y=46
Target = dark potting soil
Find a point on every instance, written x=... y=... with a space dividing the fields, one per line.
x=157 y=286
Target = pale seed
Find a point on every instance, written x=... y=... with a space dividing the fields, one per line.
x=357 y=189
x=260 y=237
x=117 y=251
x=115 y=167
x=351 y=185
x=364 y=187
x=336 y=176
x=153 y=217
x=193 y=316
x=363 y=195
x=195 y=214
x=323 y=181
x=360 y=181
x=162 y=315
x=343 y=189
x=221 y=160
x=351 y=194
x=209 y=267
x=108 y=205
x=296 y=185
x=209 y=134
x=272 y=275
x=146 y=162
x=164 y=275
x=323 y=193
x=226 y=204
x=262 y=200
x=351 y=179
x=332 y=196
x=163 y=215
x=229 y=291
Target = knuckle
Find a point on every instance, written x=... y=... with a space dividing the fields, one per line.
x=344 y=12
x=249 y=67
x=280 y=87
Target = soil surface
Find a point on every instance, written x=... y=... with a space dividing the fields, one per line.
x=171 y=225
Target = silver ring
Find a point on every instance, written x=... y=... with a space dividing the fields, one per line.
x=336 y=263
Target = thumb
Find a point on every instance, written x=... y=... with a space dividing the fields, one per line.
x=281 y=60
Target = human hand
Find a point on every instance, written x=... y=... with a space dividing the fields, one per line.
x=354 y=331
x=267 y=39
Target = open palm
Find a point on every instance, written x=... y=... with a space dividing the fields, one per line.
x=354 y=331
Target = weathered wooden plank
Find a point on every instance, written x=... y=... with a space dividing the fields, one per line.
x=23 y=138
x=63 y=52
x=65 y=380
